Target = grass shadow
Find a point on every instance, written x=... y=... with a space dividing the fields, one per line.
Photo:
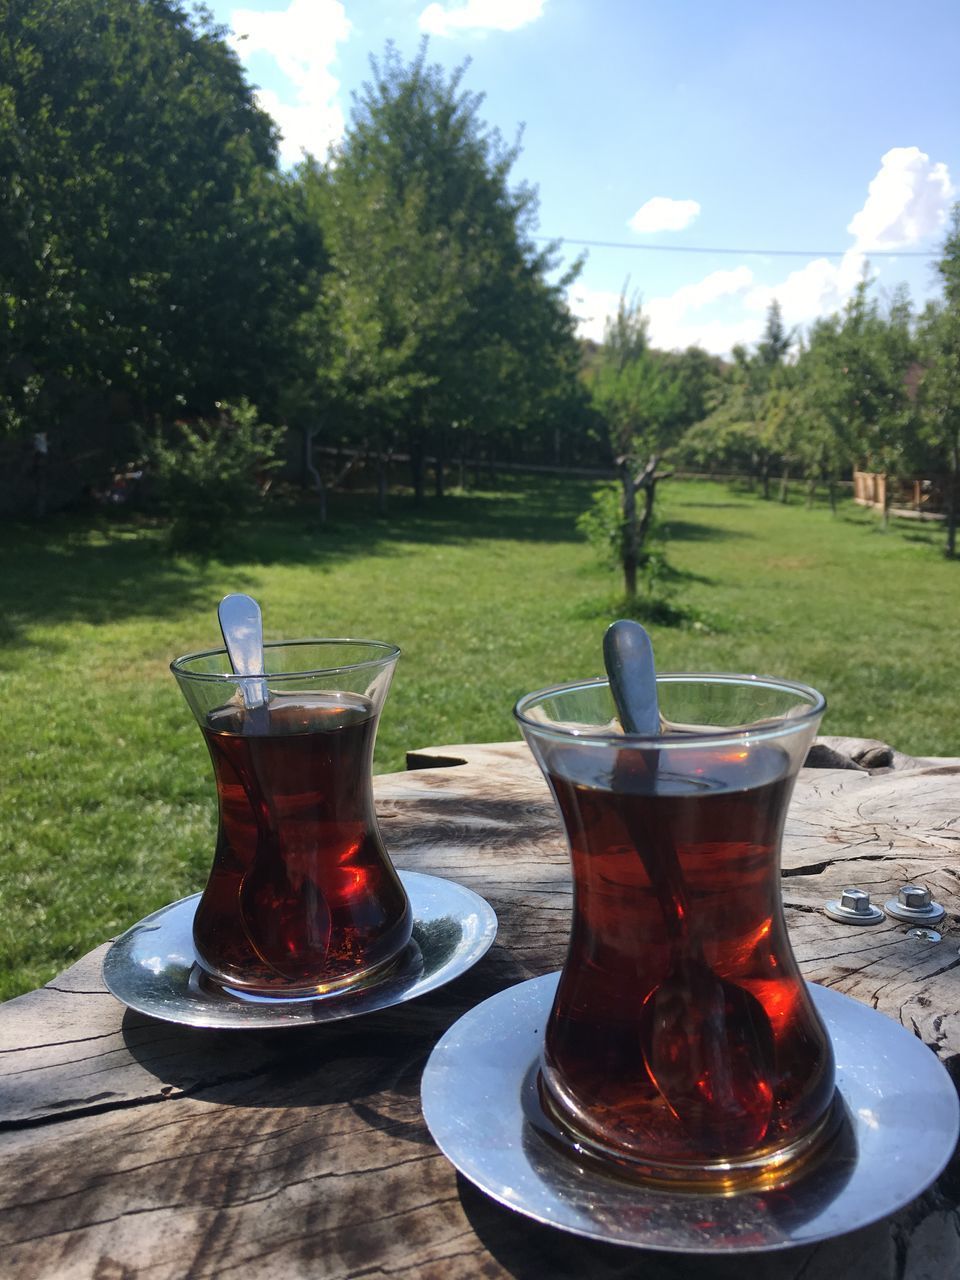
x=72 y=569
x=925 y=538
x=655 y=612
x=99 y=567
x=541 y=510
x=694 y=531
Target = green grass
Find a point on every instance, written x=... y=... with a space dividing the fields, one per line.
x=106 y=796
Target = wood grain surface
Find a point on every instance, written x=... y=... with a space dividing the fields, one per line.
x=131 y=1147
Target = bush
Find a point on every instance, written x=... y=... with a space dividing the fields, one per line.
x=206 y=474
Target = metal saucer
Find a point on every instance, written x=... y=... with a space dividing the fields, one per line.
x=151 y=968
x=902 y=1123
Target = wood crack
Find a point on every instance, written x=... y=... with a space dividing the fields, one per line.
x=125 y=1104
x=75 y=991
x=57 y=1044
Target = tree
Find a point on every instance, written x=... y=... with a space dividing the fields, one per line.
x=856 y=387
x=938 y=391
x=750 y=424
x=360 y=337
x=144 y=250
x=437 y=277
x=636 y=399
x=697 y=377
x=774 y=347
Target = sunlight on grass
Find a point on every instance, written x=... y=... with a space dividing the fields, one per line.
x=107 y=805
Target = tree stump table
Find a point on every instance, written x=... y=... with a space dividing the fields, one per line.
x=132 y=1147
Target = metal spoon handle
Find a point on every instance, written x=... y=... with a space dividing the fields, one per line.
x=242 y=627
x=628 y=657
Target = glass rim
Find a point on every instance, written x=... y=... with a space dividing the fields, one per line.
x=388 y=652
x=770 y=728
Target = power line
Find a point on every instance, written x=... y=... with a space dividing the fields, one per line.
x=763 y=253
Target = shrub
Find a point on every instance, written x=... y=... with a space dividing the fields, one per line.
x=207 y=473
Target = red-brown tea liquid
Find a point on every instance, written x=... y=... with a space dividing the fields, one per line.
x=681 y=1030
x=302 y=894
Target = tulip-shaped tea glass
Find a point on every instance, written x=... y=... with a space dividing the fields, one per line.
x=682 y=1045
x=302 y=898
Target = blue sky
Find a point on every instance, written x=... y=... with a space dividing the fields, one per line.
x=677 y=124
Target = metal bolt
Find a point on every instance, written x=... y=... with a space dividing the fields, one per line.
x=854 y=907
x=857 y=900
x=914 y=903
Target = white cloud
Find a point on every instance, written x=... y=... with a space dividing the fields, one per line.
x=729 y=306
x=663 y=214
x=908 y=200
x=691 y=314
x=303 y=40
x=817 y=289
x=669 y=316
x=480 y=15
x=718 y=284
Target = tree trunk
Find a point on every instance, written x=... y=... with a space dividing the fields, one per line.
x=319 y=487
x=952 y=497
x=649 y=494
x=635 y=530
x=811 y=491
x=784 y=481
x=438 y=465
x=40 y=460
x=306 y=480
x=833 y=494
x=417 y=468
x=630 y=549
x=765 y=479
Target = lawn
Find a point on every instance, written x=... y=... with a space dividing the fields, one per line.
x=106 y=804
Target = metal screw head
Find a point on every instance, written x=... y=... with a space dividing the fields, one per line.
x=914 y=896
x=914 y=904
x=854 y=907
x=857 y=900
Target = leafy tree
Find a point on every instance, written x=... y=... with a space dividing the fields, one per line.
x=828 y=444
x=938 y=391
x=856 y=387
x=774 y=347
x=697 y=377
x=636 y=399
x=364 y=332
x=750 y=425
x=144 y=248
x=438 y=284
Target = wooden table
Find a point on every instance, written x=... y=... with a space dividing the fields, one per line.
x=132 y=1147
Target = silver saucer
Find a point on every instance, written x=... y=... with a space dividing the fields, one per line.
x=902 y=1123
x=152 y=967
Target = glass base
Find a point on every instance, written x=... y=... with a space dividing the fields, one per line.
x=361 y=979
x=765 y=1170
